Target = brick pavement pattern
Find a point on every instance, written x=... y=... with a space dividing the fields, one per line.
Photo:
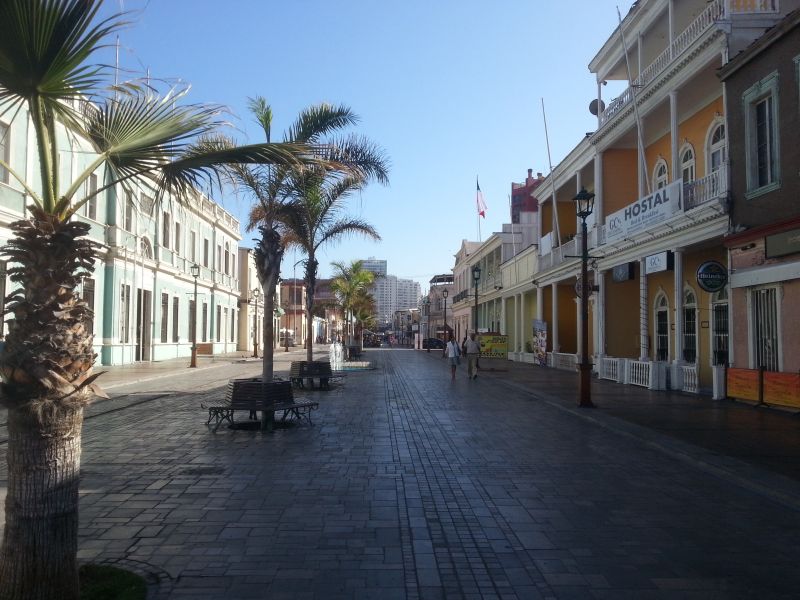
x=410 y=486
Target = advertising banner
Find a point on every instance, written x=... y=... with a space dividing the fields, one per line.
x=540 y=342
x=743 y=384
x=494 y=346
x=782 y=388
x=644 y=213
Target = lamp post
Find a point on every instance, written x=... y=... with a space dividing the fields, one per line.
x=286 y=325
x=195 y=271
x=427 y=304
x=445 y=294
x=584 y=203
x=476 y=277
x=256 y=295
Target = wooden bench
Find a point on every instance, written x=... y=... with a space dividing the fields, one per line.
x=302 y=370
x=252 y=395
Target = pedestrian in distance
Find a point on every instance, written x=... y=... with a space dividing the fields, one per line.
x=452 y=353
x=472 y=349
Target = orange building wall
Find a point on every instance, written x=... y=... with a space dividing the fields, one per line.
x=567 y=319
x=790 y=326
x=566 y=220
x=546 y=212
x=695 y=128
x=620 y=184
x=547 y=315
x=622 y=318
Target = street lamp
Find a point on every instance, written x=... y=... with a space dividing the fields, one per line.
x=476 y=277
x=445 y=293
x=584 y=203
x=256 y=295
x=286 y=325
x=195 y=271
x=427 y=304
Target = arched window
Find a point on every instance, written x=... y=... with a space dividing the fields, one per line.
x=662 y=327
x=688 y=172
x=660 y=175
x=716 y=153
x=146 y=248
x=719 y=331
x=689 y=326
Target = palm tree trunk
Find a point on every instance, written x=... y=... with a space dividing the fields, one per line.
x=47 y=382
x=311 y=284
x=38 y=559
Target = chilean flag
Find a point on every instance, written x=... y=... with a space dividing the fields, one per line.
x=479 y=200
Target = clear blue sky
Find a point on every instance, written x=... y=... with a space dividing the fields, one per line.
x=450 y=88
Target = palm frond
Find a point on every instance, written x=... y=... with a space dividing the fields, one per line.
x=317 y=121
x=347 y=227
x=359 y=157
x=262 y=111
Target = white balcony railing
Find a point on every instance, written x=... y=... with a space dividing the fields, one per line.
x=690 y=379
x=639 y=372
x=684 y=40
x=712 y=186
x=752 y=6
x=609 y=368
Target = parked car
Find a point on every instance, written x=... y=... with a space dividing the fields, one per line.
x=432 y=343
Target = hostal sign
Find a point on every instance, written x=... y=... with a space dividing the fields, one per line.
x=644 y=213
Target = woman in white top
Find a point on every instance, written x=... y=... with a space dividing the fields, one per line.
x=452 y=352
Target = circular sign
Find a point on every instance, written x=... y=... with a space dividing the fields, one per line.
x=712 y=276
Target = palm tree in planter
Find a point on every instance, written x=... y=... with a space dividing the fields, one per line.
x=363 y=310
x=350 y=283
x=269 y=188
x=322 y=196
x=136 y=137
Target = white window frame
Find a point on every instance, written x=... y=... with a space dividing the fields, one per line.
x=660 y=180
x=689 y=164
x=714 y=147
x=751 y=347
x=90 y=186
x=5 y=138
x=658 y=308
x=686 y=307
x=765 y=89
x=129 y=212
x=193 y=245
x=717 y=300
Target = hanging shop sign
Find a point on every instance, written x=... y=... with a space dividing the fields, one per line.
x=781 y=244
x=656 y=263
x=494 y=346
x=712 y=276
x=624 y=272
x=644 y=213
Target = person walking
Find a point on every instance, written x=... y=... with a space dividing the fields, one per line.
x=472 y=349
x=452 y=353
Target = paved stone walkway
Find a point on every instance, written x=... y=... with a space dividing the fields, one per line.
x=412 y=486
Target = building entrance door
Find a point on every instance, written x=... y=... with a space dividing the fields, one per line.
x=143 y=322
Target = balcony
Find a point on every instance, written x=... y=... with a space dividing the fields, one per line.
x=713 y=186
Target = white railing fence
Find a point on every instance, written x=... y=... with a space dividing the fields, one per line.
x=564 y=361
x=690 y=379
x=609 y=368
x=639 y=372
x=752 y=6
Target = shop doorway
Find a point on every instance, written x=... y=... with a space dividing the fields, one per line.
x=143 y=323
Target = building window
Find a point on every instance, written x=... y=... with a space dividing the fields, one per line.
x=218 y=265
x=125 y=314
x=687 y=163
x=689 y=327
x=193 y=246
x=5 y=145
x=761 y=136
x=719 y=333
x=88 y=298
x=233 y=325
x=205 y=253
x=145 y=248
x=717 y=152
x=764 y=328
x=660 y=176
x=175 y=315
x=662 y=328
x=177 y=247
x=225 y=319
x=219 y=323
x=165 y=231
x=90 y=191
x=148 y=204
x=164 y=317
x=205 y=322
x=192 y=320
x=227 y=259
x=127 y=222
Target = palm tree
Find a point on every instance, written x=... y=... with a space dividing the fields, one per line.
x=363 y=310
x=46 y=368
x=350 y=283
x=268 y=185
x=321 y=198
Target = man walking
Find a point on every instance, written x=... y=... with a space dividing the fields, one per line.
x=452 y=352
x=472 y=350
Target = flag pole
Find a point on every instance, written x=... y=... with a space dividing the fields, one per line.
x=478 y=215
x=556 y=228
